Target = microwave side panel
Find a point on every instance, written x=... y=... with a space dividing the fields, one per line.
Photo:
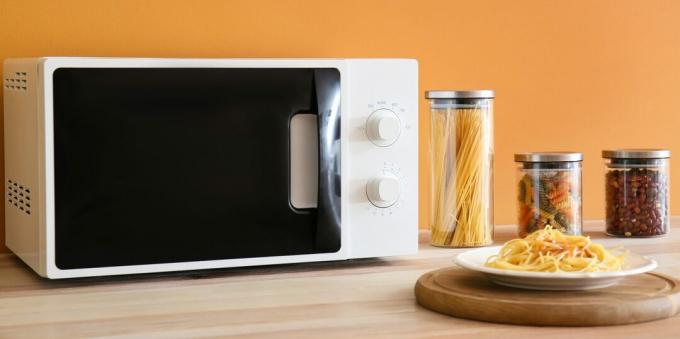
x=383 y=172
x=22 y=189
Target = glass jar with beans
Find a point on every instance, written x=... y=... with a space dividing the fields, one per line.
x=637 y=192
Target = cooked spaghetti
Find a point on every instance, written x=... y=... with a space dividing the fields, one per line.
x=549 y=250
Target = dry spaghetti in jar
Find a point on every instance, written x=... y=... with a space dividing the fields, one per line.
x=461 y=155
x=549 y=192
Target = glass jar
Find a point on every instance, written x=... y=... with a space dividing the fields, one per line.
x=461 y=154
x=549 y=192
x=637 y=192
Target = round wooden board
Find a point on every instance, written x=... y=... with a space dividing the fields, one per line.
x=466 y=294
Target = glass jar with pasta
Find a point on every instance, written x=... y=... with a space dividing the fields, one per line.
x=549 y=192
x=461 y=154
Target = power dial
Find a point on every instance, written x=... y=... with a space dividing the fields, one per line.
x=383 y=127
x=384 y=190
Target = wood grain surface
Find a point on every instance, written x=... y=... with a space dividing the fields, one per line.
x=359 y=298
x=465 y=294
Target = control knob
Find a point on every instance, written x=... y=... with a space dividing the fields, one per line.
x=383 y=127
x=384 y=190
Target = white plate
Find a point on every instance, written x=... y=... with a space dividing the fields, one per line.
x=553 y=281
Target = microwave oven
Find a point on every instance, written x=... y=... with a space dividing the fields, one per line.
x=138 y=165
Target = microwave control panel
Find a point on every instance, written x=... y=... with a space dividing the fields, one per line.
x=382 y=160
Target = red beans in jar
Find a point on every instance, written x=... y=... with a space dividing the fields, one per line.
x=637 y=192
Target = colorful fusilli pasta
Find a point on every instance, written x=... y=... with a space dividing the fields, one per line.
x=547 y=198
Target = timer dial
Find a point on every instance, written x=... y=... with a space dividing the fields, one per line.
x=383 y=127
x=384 y=190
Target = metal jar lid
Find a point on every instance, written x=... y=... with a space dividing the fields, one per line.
x=481 y=94
x=636 y=153
x=549 y=157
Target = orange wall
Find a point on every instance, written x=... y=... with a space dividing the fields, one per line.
x=569 y=75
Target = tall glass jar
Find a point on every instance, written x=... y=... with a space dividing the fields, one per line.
x=549 y=192
x=461 y=155
x=637 y=194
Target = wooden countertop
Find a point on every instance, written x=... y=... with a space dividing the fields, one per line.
x=372 y=297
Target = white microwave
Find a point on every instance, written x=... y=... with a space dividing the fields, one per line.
x=133 y=165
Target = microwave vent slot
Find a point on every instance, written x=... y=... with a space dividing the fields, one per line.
x=16 y=81
x=19 y=196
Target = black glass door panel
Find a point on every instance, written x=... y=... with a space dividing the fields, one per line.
x=162 y=165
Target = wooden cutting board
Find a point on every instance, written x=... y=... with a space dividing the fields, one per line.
x=466 y=294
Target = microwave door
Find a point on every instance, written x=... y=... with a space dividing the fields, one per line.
x=327 y=86
x=164 y=165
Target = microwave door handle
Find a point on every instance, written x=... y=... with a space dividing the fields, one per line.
x=327 y=88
